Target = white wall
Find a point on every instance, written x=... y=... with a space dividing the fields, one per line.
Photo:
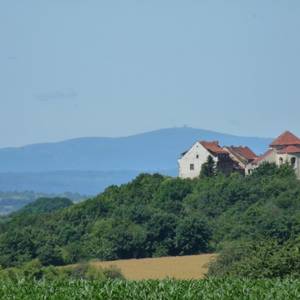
x=275 y=158
x=297 y=164
x=197 y=156
x=271 y=158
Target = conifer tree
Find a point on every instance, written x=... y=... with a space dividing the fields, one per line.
x=208 y=169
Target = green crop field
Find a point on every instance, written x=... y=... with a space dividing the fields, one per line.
x=213 y=289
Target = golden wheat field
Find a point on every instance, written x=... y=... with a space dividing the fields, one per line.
x=179 y=267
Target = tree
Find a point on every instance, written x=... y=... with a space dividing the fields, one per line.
x=50 y=254
x=170 y=194
x=265 y=169
x=161 y=234
x=115 y=238
x=258 y=259
x=208 y=169
x=192 y=235
x=44 y=205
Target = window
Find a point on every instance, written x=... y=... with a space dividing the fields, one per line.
x=280 y=160
x=293 y=161
x=197 y=156
x=192 y=167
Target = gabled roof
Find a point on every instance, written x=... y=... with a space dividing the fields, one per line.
x=213 y=147
x=262 y=157
x=286 y=139
x=290 y=150
x=244 y=152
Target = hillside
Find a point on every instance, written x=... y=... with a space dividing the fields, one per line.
x=156 y=216
x=44 y=206
x=59 y=183
x=13 y=201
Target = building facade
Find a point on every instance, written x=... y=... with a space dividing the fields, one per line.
x=284 y=149
x=191 y=161
x=241 y=155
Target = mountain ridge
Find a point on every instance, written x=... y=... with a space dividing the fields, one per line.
x=155 y=150
x=132 y=136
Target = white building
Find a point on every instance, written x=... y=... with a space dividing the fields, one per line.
x=192 y=160
x=284 y=149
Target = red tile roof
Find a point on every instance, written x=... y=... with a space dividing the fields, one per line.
x=290 y=150
x=262 y=157
x=285 y=139
x=213 y=147
x=245 y=152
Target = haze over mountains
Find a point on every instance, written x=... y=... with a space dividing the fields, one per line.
x=88 y=165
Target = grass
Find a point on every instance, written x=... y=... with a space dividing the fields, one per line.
x=179 y=267
x=212 y=289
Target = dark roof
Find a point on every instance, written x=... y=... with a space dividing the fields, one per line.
x=244 y=152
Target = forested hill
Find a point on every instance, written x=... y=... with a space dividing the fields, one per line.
x=159 y=216
x=43 y=206
x=152 y=151
x=13 y=201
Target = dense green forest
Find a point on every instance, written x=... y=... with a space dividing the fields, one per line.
x=253 y=221
x=43 y=206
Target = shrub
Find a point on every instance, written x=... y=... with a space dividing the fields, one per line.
x=258 y=259
x=113 y=272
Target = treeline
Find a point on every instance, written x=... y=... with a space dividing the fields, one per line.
x=13 y=201
x=243 y=217
x=43 y=206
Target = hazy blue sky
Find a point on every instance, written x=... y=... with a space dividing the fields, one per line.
x=71 y=68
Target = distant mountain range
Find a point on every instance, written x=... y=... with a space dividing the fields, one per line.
x=88 y=165
x=156 y=150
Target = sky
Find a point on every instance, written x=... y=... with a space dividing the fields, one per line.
x=75 y=68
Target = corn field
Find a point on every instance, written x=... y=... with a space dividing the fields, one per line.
x=213 y=289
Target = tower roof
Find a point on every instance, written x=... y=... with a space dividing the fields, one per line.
x=290 y=150
x=286 y=139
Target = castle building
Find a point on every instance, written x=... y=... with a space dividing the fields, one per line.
x=284 y=149
x=191 y=161
x=241 y=155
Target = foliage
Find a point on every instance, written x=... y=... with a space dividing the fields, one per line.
x=141 y=219
x=192 y=234
x=13 y=201
x=260 y=259
x=161 y=216
x=208 y=169
x=225 y=289
x=34 y=270
x=45 y=205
